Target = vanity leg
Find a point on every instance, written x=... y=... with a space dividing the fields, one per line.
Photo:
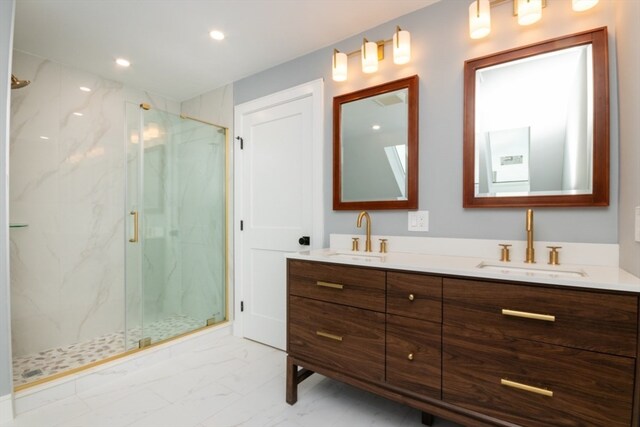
x=427 y=419
x=292 y=382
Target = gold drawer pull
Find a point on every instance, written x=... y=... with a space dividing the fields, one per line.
x=329 y=285
x=537 y=390
x=410 y=356
x=536 y=316
x=411 y=297
x=330 y=336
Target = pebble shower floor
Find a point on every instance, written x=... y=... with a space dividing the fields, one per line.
x=35 y=366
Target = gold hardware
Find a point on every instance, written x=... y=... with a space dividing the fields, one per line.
x=527 y=315
x=355 y=244
x=504 y=253
x=330 y=336
x=364 y=214
x=411 y=297
x=554 y=255
x=383 y=246
x=379 y=44
x=145 y=106
x=144 y=342
x=329 y=285
x=186 y=117
x=520 y=386
x=211 y=321
x=530 y=254
x=134 y=239
x=410 y=356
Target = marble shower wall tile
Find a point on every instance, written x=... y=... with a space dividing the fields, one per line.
x=67 y=266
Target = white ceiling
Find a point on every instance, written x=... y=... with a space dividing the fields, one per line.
x=168 y=43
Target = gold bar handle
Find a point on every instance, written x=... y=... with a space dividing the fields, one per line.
x=135 y=226
x=520 y=386
x=526 y=315
x=329 y=285
x=330 y=336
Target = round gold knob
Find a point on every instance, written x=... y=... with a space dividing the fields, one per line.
x=411 y=297
x=410 y=356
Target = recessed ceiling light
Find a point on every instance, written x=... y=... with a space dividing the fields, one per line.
x=122 y=62
x=85 y=89
x=217 y=35
x=375 y=127
x=44 y=137
x=78 y=114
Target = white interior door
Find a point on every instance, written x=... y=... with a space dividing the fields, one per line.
x=275 y=171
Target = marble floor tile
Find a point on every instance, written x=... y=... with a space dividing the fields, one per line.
x=234 y=382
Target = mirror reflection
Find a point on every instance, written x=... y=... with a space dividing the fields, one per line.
x=536 y=124
x=536 y=146
x=376 y=147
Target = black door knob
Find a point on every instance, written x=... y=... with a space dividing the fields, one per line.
x=304 y=240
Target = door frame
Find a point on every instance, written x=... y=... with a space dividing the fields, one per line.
x=315 y=90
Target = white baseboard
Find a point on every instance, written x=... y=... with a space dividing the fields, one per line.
x=6 y=408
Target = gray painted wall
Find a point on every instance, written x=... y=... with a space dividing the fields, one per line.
x=6 y=44
x=629 y=69
x=440 y=45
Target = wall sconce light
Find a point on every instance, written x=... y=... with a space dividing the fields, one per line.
x=582 y=5
x=339 y=69
x=371 y=53
x=527 y=11
x=401 y=46
x=479 y=19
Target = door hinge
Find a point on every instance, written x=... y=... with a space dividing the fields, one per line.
x=241 y=305
x=241 y=142
x=241 y=225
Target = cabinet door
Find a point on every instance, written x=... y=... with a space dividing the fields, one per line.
x=535 y=384
x=347 y=339
x=583 y=319
x=413 y=355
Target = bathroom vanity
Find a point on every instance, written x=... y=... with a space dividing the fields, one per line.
x=465 y=343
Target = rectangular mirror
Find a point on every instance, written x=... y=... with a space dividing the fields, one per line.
x=536 y=128
x=375 y=147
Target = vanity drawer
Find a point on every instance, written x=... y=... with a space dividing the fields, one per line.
x=482 y=372
x=343 y=338
x=583 y=319
x=414 y=355
x=357 y=287
x=415 y=295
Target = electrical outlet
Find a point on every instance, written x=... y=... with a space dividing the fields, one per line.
x=418 y=220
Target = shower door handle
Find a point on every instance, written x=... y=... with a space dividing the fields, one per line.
x=135 y=226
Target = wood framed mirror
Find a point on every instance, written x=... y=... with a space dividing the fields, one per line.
x=536 y=125
x=375 y=147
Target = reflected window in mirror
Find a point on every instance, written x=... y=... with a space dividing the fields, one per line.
x=536 y=125
x=376 y=147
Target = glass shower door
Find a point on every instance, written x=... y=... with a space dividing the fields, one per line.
x=176 y=192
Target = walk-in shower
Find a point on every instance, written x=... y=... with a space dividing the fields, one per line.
x=114 y=245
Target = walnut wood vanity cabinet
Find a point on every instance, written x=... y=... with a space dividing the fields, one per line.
x=476 y=352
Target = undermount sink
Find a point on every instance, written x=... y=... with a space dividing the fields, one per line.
x=357 y=256
x=531 y=270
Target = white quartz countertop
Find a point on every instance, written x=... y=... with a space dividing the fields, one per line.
x=582 y=276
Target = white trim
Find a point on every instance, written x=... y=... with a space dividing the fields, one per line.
x=6 y=408
x=314 y=89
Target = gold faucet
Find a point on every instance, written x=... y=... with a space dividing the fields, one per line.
x=530 y=254
x=367 y=243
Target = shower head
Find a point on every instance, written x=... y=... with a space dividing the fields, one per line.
x=17 y=84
